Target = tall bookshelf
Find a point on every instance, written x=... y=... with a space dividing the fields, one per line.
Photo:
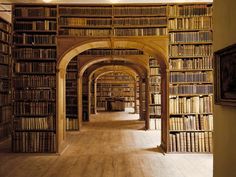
x=72 y=95
x=189 y=29
x=191 y=83
x=34 y=85
x=155 y=94
x=5 y=79
x=115 y=85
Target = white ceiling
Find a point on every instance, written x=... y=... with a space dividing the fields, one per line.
x=103 y=1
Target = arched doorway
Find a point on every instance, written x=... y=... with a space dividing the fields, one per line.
x=158 y=50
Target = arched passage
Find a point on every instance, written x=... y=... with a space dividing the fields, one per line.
x=99 y=72
x=159 y=51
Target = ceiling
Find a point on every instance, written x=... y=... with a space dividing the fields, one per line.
x=103 y=1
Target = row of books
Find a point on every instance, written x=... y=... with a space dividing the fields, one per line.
x=4 y=85
x=154 y=71
x=188 y=105
x=71 y=84
x=4 y=36
x=153 y=63
x=139 y=10
x=32 y=53
x=4 y=48
x=191 y=76
x=34 y=108
x=191 y=142
x=34 y=94
x=155 y=110
x=192 y=63
x=34 y=39
x=191 y=89
x=72 y=124
x=71 y=75
x=35 y=12
x=155 y=88
x=44 y=25
x=201 y=22
x=5 y=113
x=116 y=11
x=29 y=81
x=155 y=80
x=85 y=11
x=4 y=26
x=155 y=124
x=116 y=32
x=114 y=77
x=155 y=98
x=141 y=21
x=71 y=100
x=120 y=93
x=5 y=99
x=112 y=52
x=34 y=142
x=190 y=10
x=191 y=122
x=190 y=50
x=4 y=59
x=4 y=71
x=116 y=22
x=201 y=36
x=34 y=123
x=5 y=130
x=140 y=31
x=38 y=67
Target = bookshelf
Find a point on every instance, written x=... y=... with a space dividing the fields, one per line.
x=71 y=95
x=115 y=85
x=34 y=80
x=155 y=95
x=5 y=79
x=112 y=20
x=190 y=83
x=189 y=29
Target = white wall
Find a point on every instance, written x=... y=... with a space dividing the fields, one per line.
x=224 y=29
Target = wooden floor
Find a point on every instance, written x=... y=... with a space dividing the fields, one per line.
x=111 y=145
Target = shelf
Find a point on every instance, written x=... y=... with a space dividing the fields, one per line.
x=31 y=115
x=5 y=42
x=191 y=95
x=154 y=104
x=32 y=100
x=189 y=16
x=171 y=114
x=34 y=18
x=37 y=59
x=141 y=26
x=35 y=45
x=190 y=83
x=35 y=31
x=190 y=131
x=85 y=27
x=189 y=70
x=191 y=42
x=192 y=56
x=188 y=30
x=34 y=73
x=38 y=130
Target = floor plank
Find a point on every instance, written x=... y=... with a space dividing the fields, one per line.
x=111 y=145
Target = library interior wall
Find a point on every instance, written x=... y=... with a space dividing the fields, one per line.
x=224 y=26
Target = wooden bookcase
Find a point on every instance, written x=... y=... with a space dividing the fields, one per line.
x=189 y=27
x=155 y=95
x=34 y=85
x=5 y=79
x=72 y=95
x=115 y=85
x=191 y=78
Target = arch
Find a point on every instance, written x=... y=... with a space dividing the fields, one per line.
x=150 y=46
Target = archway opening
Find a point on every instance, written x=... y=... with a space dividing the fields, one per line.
x=158 y=52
